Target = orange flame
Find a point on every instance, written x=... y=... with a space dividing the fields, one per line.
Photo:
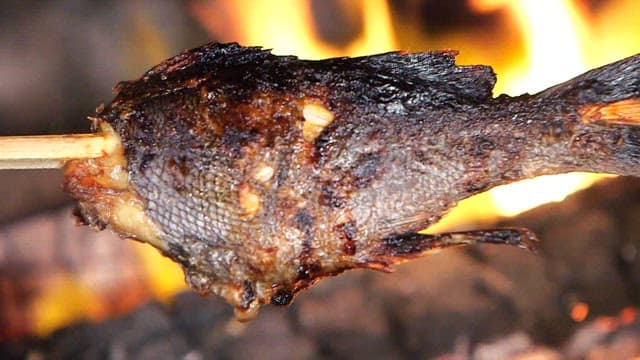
x=287 y=27
x=554 y=32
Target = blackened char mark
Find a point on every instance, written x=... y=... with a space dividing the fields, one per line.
x=146 y=162
x=282 y=297
x=347 y=232
x=411 y=244
x=330 y=197
x=400 y=81
x=479 y=152
x=177 y=168
x=234 y=139
x=86 y=218
x=473 y=187
x=308 y=268
x=483 y=147
x=365 y=169
x=178 y=253
x=404 y=245
x=631 y=144
x=305 y=223
x=248 y=294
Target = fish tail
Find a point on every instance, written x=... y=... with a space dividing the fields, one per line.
x=606 y=101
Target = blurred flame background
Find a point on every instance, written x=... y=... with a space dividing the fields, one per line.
x=532 y=44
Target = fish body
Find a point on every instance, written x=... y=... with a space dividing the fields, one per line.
x=261 y=174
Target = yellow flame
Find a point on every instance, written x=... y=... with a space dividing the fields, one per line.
x=287 y=27
x=164 y=278
x=553 y=32
x=65 y=300
x=516 y=198
x=615 y=32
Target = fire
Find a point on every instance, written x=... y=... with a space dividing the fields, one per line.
x=287 y=27
x=554 y=33
x=614 y=33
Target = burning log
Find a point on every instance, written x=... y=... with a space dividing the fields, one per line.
x=261 y=174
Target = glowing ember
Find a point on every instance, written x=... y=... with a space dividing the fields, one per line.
x=607 y=323
x=579 y=312
x=628 y=315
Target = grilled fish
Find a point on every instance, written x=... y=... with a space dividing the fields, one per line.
x=261 y=174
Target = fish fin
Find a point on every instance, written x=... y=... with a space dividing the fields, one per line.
x=624 y=112
x=624 y=116
x=412 y=79
x=434 y=74
x=198 y=63
x=209 y=57
x=402 y=247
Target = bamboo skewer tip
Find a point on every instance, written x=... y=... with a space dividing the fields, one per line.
x=52 y=151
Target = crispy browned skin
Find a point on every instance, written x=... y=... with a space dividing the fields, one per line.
x=260 y=174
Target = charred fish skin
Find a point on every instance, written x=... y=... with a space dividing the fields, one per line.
x=264 y=173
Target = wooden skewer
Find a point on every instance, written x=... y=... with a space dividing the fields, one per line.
x=52 y=151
